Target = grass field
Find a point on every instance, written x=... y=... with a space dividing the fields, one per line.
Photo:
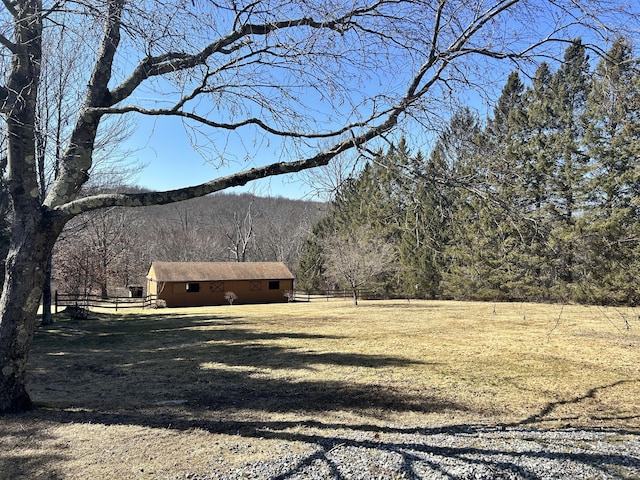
x=155 y=394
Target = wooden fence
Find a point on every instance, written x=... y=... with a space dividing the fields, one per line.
x=82 y=300
x=315 y=295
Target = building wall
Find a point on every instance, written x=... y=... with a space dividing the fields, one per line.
x=152 y=287
x=192 y=294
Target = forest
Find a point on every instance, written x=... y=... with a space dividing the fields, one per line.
x=537 y=202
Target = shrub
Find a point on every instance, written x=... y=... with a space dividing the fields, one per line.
x=230 y=297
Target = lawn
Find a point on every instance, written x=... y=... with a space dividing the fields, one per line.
x=159 y=393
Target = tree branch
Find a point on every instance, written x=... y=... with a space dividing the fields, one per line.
x=78 y=158
x=176 y=61
x=10 y=6
x=13 y=48
x=238 y=179
x=417 y=88
x=236 y=125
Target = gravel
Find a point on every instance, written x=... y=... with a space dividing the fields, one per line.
x=462 y=453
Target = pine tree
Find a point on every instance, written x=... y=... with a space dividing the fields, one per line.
x=510 y=225
x=397 y=199
x=424 y=227
x=570 y=86
x=541 y=204
x=479 y=240
x=365 y=202
x=311 y=263
x=532 y=145
x=611 y=219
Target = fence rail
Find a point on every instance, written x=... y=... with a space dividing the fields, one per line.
x=315 y=295
x=86 y=300
x=82 y=300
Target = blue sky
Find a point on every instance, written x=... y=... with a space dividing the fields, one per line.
x=171 y=162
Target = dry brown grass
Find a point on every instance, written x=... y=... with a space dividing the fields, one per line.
x=155 y=394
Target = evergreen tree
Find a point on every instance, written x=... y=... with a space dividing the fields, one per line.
x=513 y=232
x=533 y=142
x=611 y=216
x=570 y=86
x=397 y=202
x=541 y=204
x=424 y=228
x=521 y=244
x=362 y=201
x=311 y=263
x=533 y=145
x=490 y=251
x=482 y=175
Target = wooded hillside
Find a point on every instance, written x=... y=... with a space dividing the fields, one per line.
x=105 y=251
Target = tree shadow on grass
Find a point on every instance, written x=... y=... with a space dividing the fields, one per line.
x=544 y=415
x=161 y=372
x=18 y=457
x=207 y=362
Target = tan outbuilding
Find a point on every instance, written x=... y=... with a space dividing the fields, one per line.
x=190 y=284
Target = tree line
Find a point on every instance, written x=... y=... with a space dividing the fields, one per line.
x=540 y=201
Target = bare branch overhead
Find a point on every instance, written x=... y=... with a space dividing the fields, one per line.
x=319 y=78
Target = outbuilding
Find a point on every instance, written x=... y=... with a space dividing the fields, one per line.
x=190 y=284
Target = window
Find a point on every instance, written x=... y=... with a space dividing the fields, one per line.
x=193 y=287
x=274 y=285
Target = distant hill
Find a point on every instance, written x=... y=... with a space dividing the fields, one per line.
x=106 y=251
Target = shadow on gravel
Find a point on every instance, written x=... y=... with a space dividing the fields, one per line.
x=469 y=452
x=369 y=451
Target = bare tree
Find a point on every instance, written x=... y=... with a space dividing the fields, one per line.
x=77 y=268
x=181 y=237
x=314 y=78
x=281 y=229
x=358 y=258
x=60 y=86
x=241 y=236
x=104 y=236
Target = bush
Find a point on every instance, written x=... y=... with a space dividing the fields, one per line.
x=230 y=297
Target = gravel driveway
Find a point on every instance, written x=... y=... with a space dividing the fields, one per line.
x=458 y=453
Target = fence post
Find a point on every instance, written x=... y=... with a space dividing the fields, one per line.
x=55 y=296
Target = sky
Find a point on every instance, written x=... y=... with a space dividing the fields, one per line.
x=171 y=162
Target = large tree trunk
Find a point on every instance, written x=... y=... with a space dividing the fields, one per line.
x=32 y=240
